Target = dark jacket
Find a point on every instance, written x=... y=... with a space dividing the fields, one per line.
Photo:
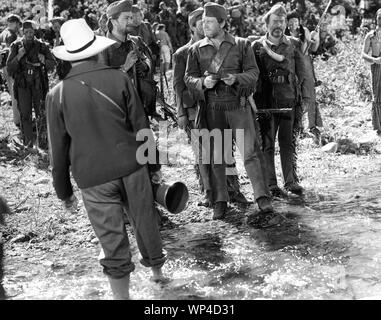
x=279 y=82
x=239 y=61
x=87 y=132
x=28 y=71
x=184 y=99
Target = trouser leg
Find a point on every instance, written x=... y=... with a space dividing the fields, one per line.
x=287 y=149
x=268 y=129
x=204 y=169
x=216 y=124
x=143 y=216
x=10 y=83
x=243 y=120
x=104 y=206
x=25 y=108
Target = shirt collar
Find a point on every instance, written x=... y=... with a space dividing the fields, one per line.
x=84 y=67
x=207 y=42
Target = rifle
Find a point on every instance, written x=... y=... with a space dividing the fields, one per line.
x=319 y=23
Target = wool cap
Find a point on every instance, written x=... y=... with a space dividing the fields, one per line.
x=118 y=7
x=194 y=15
x=212 y=9
x=277 y=9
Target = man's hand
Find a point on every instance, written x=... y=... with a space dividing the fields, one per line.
x=71 y=204
x=157 y=177
x=230 y=79
x=21 y=53
x=130 y=60
x=41 y=58
x=209 y=82
x=314 y=35
x=377 y=60
x=182 y=122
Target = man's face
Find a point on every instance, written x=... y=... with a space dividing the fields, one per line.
x=138 y=18
x=293 y=24
x=103 y=24
x=276 y=25
x=378 y=18
x=124 y=20
x=13 y=26
x=28 y=34
x=211 y=26
x=198 y=29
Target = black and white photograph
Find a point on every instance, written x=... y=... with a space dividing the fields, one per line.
x=190 y=155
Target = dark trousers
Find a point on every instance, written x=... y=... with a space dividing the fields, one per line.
x=281 y=124
x=29 y=98
x=104 y=204
x=252 y=154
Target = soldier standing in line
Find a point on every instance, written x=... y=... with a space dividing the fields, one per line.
x=221 y=72
x=187 y=109
x=8 y=36
x=281 y=66
x=129 y=53
x=28 y=63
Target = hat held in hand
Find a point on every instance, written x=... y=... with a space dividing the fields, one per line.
x=80 y=42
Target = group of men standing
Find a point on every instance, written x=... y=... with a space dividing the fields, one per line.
x=221 y=83
x=216 y=77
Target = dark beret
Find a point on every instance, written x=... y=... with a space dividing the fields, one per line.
x=118 y=7
x=212 y=9
x=192 y=18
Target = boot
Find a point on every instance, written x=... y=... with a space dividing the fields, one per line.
x=264 y=204
x=219 y=210
x=277 y=192
x=120 y=287
x=294 y=188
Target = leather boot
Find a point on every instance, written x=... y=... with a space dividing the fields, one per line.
x=264 y=204
x=120 y=287
x=219 y=210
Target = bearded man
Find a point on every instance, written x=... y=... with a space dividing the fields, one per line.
x=129 y=53
x=221 y=72
x=281 y=66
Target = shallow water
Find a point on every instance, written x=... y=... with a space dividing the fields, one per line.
x=329 y=247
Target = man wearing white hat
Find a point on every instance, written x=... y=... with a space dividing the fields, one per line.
x=93 y=117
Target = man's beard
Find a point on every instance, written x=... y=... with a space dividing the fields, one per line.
x=277 y=34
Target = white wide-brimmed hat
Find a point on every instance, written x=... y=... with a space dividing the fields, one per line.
x=80 y=42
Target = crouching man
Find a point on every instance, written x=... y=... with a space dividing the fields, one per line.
x=93 y=117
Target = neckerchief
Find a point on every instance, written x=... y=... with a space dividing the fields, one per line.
x=271 y=53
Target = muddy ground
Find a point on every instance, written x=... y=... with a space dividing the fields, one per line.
x=326 y=246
